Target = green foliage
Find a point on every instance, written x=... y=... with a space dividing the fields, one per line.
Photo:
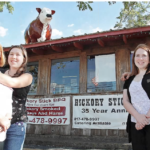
x=7 y=5
x=84 y=5
x=133 y=14
x=110 y=3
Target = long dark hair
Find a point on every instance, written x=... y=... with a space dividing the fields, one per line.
x=22 y=68
x=135 y=69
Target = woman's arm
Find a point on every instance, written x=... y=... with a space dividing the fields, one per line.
x=16 y=82
x=140 y=118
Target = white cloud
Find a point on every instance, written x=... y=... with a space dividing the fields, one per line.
x=22 y=32
x=97 y=29
x=70 y=25
x=3 y=31
x=56 y=32
x=77 y=31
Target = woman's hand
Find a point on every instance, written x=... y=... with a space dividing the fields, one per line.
x=142 y=120
x=138 y=126
x=5 y=122
x=125 y=76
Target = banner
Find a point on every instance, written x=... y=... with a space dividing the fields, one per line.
x=54 y=111
x=99 y=112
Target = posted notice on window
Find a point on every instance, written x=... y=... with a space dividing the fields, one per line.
x=54 y=111
x=99 y=112
x=105 y=68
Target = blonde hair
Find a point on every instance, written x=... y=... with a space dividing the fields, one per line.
x=135 y=69
x=2 y=57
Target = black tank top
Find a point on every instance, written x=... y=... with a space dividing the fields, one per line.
x=19 y=98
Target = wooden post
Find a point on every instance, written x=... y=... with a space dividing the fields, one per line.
x=122 y=65
x=43 y=77
x=83 y=72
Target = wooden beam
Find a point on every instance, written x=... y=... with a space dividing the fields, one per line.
x=122 y=65
x=38 y=51
x=125 y=39
x=83 y=72
x=100 y=42
x=56 y=48
x=78 y=45
x=43 y=76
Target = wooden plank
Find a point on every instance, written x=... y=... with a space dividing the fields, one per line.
x=124 y=39
x=87 y=132
x=98 y=132
x=83 y=82
x=78 y=45
x=122 y=65
x=83 y=72
x=30 y=129
x=56 y=56
x=56 y=48
x=113 y=132
x=100 y=42
x=65 y=130
x=42 y=86
x=38 y=129
x=49 y=75
x=99 y=51
x=55 y=129
x=148 y=41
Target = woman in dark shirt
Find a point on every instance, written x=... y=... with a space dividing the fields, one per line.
x=136 y=99
x=20 y=81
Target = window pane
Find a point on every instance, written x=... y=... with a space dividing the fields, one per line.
x=92 y=85
x=33 y=69
x=65 y=76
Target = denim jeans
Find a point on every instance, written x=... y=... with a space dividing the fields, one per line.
x=15 y=136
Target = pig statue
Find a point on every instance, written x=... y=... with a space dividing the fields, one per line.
x=39 y=30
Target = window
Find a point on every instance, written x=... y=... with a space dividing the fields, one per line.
x=33 y=69
x=101 y=73
x=65 y=76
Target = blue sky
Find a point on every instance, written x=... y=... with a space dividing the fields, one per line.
x=67 y=20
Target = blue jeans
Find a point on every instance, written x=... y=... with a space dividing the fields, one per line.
x=15 y=136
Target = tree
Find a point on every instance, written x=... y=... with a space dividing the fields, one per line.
x=133 y=14
x=7 y=5
x=84 y=5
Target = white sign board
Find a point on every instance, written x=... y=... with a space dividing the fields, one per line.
x=99 y=112
x=54 y=111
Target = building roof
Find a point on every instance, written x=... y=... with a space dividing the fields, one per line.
x=101 y=38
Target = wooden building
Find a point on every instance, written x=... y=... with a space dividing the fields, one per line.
x=76 y=55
